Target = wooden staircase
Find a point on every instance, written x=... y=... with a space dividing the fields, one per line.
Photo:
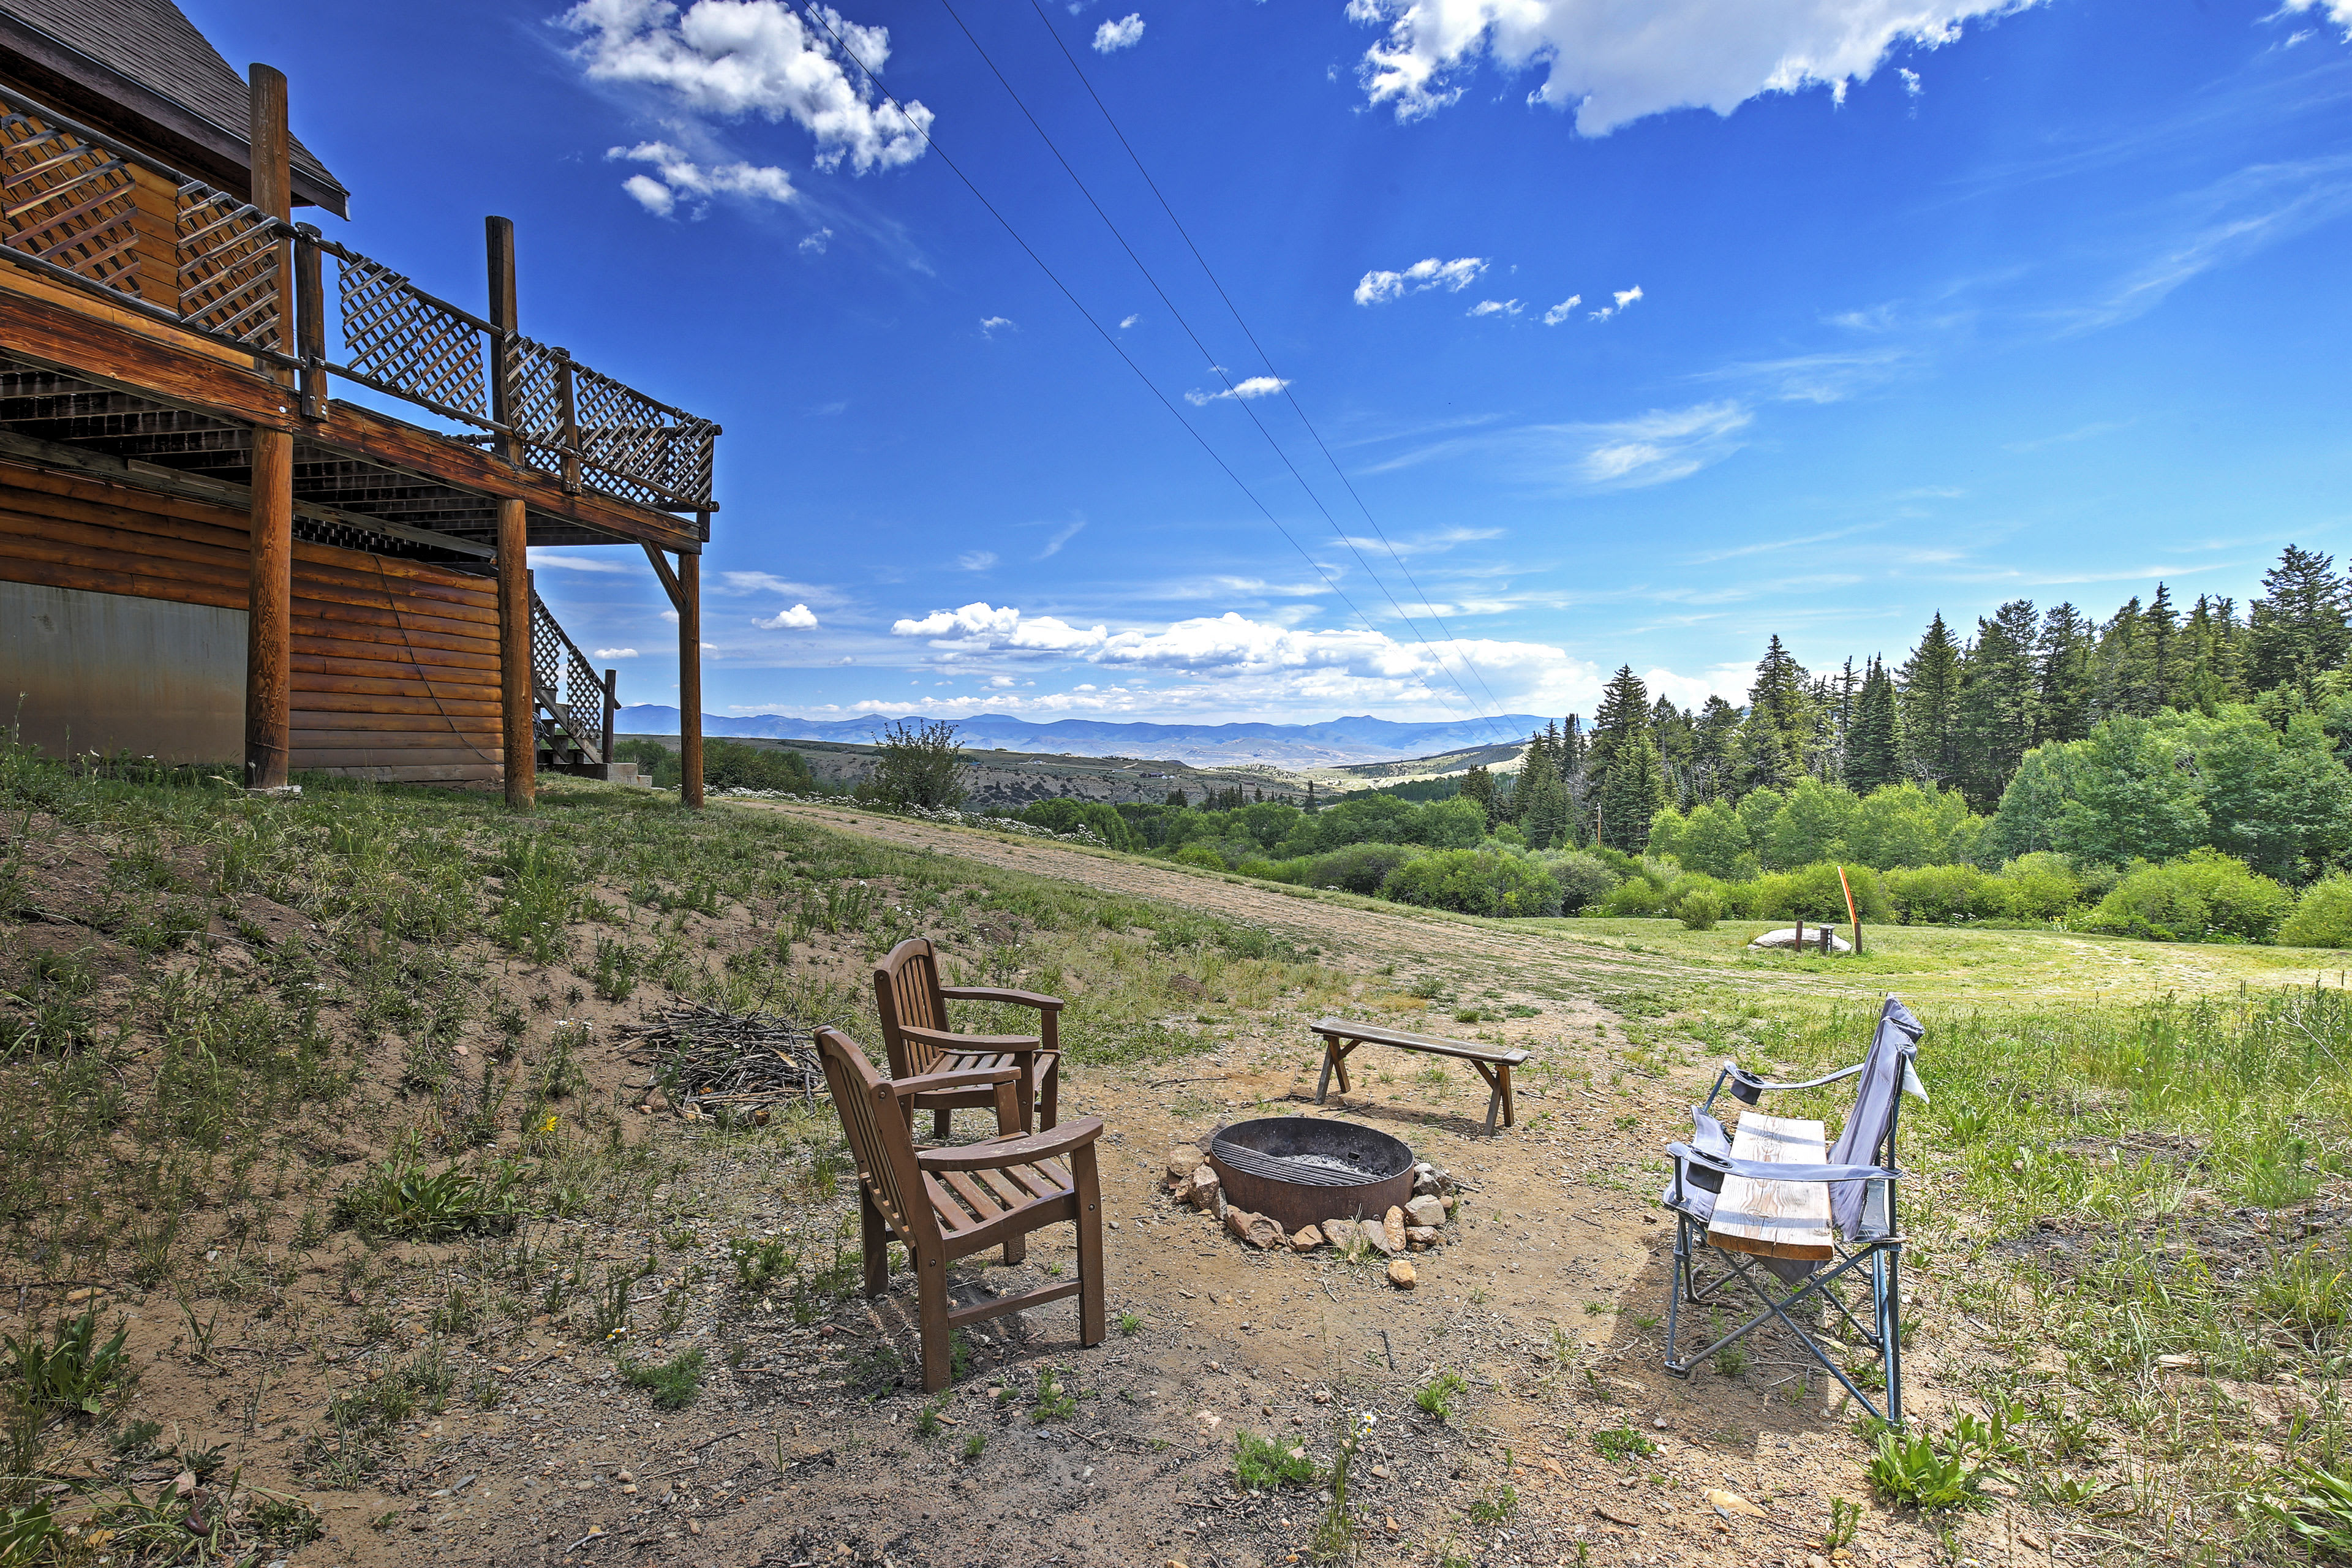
x=572 y=708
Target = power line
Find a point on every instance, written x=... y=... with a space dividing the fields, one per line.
x=1210 y=359
x=1291 y=397
x=817 y=15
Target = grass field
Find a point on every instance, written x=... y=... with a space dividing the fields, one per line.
x=302 y=1066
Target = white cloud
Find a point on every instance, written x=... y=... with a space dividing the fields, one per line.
x=729 y=59
x=670 y=615
x=1911 y=88
x=988 y=325
x=815 y=244
x=1062 y=536
x=2336 y=11
x=1494 y=308
x=1255 y=386
x=616 y=653
x=684 y=179
x=1614 y=63
x=800 y=618
x=765 y=583
x=1128 y=322
x=599 y=563
x=1250 y=659
x=1623 y=296
x=1662 y=445
x=1562 y=312
x=979 y=627
x=977 y=560
x=1375 y=288
x=1123 y=34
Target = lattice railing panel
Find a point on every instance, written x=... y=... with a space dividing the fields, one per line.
x=636 y=448
x=408 y=340
x=229 y=267
x=535 y=402
x=69 y=202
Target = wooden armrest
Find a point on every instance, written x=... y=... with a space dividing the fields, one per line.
x=1012 y=1045
x=931 y=1082
x=999 y=1153
x=998 y=994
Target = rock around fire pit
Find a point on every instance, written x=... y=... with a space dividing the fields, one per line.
x=1305 y=1183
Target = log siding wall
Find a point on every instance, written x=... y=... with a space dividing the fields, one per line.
x=396 y=663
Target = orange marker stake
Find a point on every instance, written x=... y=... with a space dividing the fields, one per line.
x=1850 y=914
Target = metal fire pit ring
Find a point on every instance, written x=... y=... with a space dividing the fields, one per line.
x=1303 y=1170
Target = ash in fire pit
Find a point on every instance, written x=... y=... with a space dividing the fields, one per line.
x=1302 y=1170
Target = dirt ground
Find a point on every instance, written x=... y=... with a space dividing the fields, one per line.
x=813 y=1443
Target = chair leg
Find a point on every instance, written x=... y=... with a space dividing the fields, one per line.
x=938 y=1346
x=1008 y=1110
x=942 y=1125
x=1889 y=1286
x=1675 y=1284
x=1090 y=1244
x=1510 y=1112
x=875 y=1232
x=1049 y=1107
x=1330 y=1059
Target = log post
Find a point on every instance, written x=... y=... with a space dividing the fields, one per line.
x=269 y=600
x=689 y=677
x=499 y=233
x=612 y=706
x=516 y=704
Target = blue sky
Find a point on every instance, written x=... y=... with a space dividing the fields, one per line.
x=1940 y=303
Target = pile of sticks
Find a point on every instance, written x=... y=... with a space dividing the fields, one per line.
x=729 y=1066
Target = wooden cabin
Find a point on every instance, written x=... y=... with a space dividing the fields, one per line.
x=264 y=501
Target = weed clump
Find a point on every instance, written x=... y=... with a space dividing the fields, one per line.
x=1264 y=1465
x=397 y=1199
x=673 y=1382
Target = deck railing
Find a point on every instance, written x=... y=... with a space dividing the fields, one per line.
x=85 y=211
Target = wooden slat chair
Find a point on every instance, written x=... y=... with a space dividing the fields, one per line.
x=1791 y=1222
x=945 y=1203
x=914 y=1008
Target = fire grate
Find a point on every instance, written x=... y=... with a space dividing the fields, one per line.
x=1303 y=1170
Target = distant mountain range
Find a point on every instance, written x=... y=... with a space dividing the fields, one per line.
x=1332 y=744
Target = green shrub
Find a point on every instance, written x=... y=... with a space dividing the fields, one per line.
x=1584 y=880
x=1813 y=892
x=1473 y=883
x=733 y=764
x=2204 y=896
x=1095 y=816
x=1943 y=895
x=1636 y=898
x=2040 y=886
x=1359 y=868
x=2323 y=916
x=77 y=1374
x=1201 y=855
x=1699 y=909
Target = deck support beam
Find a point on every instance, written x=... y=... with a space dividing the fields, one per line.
x=689 y=678
x=270 y=605
x=517 y=706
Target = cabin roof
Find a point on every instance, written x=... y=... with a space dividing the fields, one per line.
x=140 y=67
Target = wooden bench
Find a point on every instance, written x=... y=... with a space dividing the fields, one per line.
x=1774 y=1219
x=1493 y=1062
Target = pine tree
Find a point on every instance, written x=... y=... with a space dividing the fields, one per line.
x=1873 y=754
x=2215 y=654
x=2062 y=677
x=1538 y=801
x=1930 y=690
x=2296 y=631
x=1715 y=750
x=1631 y=789
x=1477 y=785
x=2119 y=682
x=1624 y=716
x=2166 y=676
x=1779 y=731
x=1845 y=691
x=1994 y=723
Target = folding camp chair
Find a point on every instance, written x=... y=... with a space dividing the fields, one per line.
x=1766 y=1205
